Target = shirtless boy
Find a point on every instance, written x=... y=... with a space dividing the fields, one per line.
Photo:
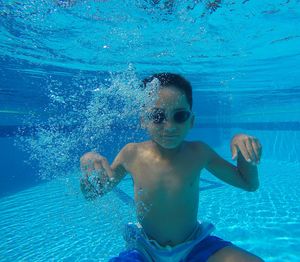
x=166 y=172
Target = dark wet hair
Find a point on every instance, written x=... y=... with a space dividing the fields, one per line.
x=169 y=79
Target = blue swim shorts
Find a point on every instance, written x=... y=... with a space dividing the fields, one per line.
x=198 y=247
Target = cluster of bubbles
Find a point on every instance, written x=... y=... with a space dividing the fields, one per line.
x=89 y=113
x=142 y=208
x=94 y=115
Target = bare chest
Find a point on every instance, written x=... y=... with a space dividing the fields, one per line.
x=166 y=179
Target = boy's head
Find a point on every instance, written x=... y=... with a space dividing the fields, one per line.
x=175 y=80
x=170 y=118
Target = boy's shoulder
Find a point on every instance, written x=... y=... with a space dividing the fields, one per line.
x=198 y=145
x=200 y=149
x=131 y=149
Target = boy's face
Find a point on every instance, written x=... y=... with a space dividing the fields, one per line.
x=170 y=119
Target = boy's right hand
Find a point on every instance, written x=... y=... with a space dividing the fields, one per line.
x=93 y=164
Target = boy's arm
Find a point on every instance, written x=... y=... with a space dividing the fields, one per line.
x=245 y=175
x=106 y=176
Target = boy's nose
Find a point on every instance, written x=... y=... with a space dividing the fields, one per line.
x=169 y=125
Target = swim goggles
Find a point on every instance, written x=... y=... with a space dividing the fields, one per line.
x=158 y=116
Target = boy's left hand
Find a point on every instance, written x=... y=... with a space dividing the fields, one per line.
x=249 y=147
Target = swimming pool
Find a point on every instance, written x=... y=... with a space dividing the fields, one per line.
x=69 y=72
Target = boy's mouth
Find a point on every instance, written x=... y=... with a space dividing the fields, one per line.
x=169 y=136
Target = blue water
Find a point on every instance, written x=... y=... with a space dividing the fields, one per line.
x=69 y=84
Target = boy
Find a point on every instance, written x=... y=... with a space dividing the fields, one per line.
x=166 y=172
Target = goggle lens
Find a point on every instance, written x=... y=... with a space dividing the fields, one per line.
x=157 y=116
x=181 y=116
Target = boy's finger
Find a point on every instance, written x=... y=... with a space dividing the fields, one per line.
x=97 y=164
x=256 y=151
x=244 y=151
x=234 y=152
x=84 y=167
x=250 y=150
x=90 y=166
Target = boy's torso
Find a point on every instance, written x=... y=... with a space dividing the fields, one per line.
x=167 y=191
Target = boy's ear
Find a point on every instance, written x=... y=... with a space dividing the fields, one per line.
x=192 y=121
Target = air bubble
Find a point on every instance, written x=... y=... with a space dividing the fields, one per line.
x=83 y=116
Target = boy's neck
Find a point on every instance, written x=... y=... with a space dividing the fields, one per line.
x=167 y=152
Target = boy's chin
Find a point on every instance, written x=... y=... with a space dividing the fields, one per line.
x=166 y=145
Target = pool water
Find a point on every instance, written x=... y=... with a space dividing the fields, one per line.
x=53 y=222
x=70 y=74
